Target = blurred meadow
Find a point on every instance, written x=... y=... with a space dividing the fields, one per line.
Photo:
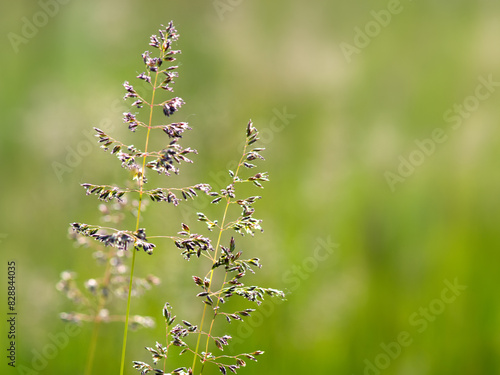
x=380 y=122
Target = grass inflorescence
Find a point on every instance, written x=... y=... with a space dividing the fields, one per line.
x=114 y=245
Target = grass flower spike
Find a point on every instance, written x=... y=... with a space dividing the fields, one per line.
x=116 y=246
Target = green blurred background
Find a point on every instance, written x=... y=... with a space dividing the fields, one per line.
x=351 y=120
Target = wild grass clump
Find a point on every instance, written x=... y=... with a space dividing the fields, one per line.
x=117 y=247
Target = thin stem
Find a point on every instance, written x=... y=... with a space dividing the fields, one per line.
x=93 y=344
x=211 y=276
x=97 y=320
x=221 y=229
x=124 y=345
x=211 y=326
x=141 y=191
x=167 y=346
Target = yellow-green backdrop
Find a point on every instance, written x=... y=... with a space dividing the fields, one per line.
x=381 y=124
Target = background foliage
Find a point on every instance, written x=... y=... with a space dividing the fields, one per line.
x=351 y=123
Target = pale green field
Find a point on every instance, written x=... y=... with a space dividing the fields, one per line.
x=380 y=121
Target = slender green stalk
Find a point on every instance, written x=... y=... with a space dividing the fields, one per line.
x=211 y=275
x=93 y=344
x=210 y=329
x=141 y=191
x=223 y=258
x=228 y=202
x=97 y=320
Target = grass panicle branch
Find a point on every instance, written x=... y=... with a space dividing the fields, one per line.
x=113 y=242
